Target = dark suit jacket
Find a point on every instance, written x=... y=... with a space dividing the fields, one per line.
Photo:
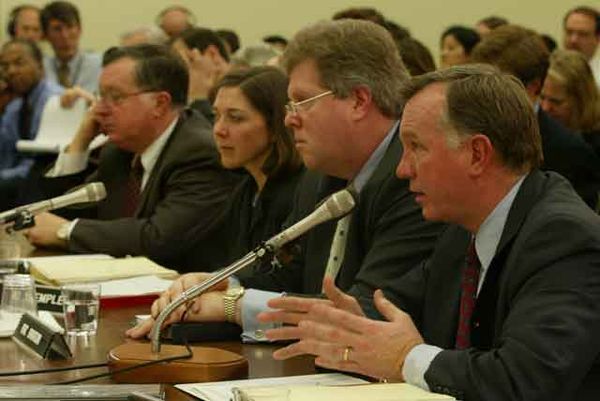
x=569 y=155
x=387 y=236
x=535 y=330
x=182 y=203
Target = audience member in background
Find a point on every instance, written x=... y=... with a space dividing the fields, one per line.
x=230 y=39
x=143 y=35
x=550 y=43
x=24 y=23
x=207 y=60
x=571 y=96
x=456 y=44
x=276 y=41
x=70 y=66
x=346 y=130
x=255 y=56
x=488 y=24
x=21 y=61
x=163 y=180
x=250 y=134
x=509 y=300
x=417 y=58
x=582 y=33
x=174 y=20
x=362 y=13
x=397 y=31
x=522 y=52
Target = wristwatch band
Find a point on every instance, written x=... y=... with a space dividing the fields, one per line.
x=229 y=302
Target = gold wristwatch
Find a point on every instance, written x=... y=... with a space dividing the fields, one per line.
x=230 y=300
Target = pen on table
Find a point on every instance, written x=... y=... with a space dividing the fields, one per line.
x=137 y=396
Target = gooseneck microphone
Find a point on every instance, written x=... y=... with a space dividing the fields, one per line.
x=93 y=192
x=336 y=206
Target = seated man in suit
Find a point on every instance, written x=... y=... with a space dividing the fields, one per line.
x=508 y=305
x=345 y=124
x=21 y=61
x=161 y=169
x=522 y=52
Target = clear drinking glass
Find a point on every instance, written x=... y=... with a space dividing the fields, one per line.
x=81 y=304
x=18 y=295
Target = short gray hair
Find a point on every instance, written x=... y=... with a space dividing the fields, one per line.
x=482 y=99
x=352 y=53
x=153 y=34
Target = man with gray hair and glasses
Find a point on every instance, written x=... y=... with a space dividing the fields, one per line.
x=345 y=77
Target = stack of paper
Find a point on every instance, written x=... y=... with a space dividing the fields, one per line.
x=72 y=269
x=371 y=392
x=222 y=391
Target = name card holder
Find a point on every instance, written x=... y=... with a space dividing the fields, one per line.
x=45 y=341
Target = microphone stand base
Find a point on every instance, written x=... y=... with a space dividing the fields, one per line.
x=206 y=364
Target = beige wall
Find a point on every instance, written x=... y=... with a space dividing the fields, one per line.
x=104 y=20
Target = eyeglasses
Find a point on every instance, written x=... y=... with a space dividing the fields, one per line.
x=294 y=107
x=114 y=98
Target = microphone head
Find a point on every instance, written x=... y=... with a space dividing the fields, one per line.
x=341 y=203
x=96 y=191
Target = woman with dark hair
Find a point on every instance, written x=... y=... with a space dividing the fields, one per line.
x=456 y=44
x=250 y=134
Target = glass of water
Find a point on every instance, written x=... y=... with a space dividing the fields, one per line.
x=81 y=303
x=18 y=295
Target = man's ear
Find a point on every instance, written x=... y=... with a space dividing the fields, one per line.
x=362 y=99
x=163 y=103
x=481 y=151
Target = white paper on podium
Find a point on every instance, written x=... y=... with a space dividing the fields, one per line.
x=58 y=125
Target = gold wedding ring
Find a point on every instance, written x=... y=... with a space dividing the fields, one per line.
x=346 y=354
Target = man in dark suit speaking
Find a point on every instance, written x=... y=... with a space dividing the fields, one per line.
x=508 y=305
x=161 y=171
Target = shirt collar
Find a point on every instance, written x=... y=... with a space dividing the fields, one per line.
x=489 y=233
x=149 y=157
x=369 y=167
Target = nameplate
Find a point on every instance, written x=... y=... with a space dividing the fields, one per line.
x=45 y=341
x=49 y=299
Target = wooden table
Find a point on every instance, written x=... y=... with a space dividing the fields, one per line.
x=112 y=325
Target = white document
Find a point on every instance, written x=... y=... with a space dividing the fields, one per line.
x=222 y=391
x=10 y=321
x=58 y=126
x=134 y=286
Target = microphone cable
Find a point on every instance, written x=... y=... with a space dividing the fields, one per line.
x=53 y=370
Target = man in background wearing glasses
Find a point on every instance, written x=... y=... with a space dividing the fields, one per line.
x=160 y=168
x=345 y=77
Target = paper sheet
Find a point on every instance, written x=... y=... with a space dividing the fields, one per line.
x=57 y=127
x=134 y=286
x=221 y=391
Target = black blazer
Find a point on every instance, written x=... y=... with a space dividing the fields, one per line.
x=183 y=201
x=569 y=155
x=535 y=330
x=387 y=235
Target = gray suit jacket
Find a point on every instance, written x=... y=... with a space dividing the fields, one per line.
x=535 y=330
x=184 y=199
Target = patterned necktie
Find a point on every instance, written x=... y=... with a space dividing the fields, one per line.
x=133 y=187
x=338 y=247
x=63 y=74
x=468 y=285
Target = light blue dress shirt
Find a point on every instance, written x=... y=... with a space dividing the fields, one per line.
x=84 y=70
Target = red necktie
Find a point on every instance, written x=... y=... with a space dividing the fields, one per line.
x=468 y=285
x=133 y=187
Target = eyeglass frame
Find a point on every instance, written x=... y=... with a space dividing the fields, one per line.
x=116 y=100
x=292 y=107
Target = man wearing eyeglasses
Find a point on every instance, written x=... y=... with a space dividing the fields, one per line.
x=344 y=79
x=161 y=170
